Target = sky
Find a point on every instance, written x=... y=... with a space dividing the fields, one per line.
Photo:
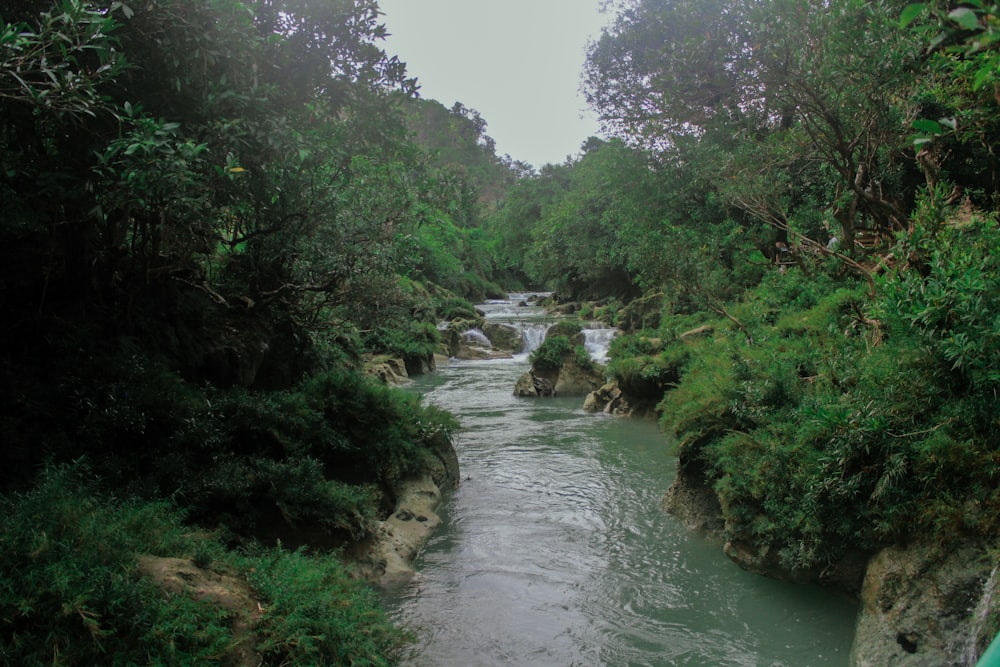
x=517 y=62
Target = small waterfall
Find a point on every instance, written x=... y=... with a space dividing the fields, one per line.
x=534 y=334
x=980 y=615
x=597 y=342
x=477 y=337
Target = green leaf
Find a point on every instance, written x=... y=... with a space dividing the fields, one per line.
x=965 y=17
x=927 y=126
x=983 y=74
x=911 y=12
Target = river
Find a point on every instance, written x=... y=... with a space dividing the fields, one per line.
x=554 y=550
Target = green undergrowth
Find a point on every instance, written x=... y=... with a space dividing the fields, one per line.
x=830 y=422
x=72 y=593
x=323 y=452
x=550 y=355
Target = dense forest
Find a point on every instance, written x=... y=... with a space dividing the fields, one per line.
x=215 y=213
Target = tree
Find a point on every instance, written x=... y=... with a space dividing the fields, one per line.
x=777 y=79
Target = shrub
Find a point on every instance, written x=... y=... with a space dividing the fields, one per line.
x=71 y=593
x=550 y=355
x=315 y=614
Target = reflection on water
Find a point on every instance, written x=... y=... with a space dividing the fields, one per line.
x=554 y=551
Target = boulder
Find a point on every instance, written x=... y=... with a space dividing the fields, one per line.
x=920 y=606
x=694 y=502
x=565 y=308
x=387 y=558
x=532 y=385
x=389 y=370
x=504 y=336
x=609 y=399
x=420 y=364
x=573 y=380
x=642 y=313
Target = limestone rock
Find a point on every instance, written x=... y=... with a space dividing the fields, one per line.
x=609 y=399
x=420 y=364
x=532 y=385
x=386 y=558
x=573 y=380
x=389 y=370
x=642 y=313
x=401 y=536
x=504 y=336
x=694 y=502
x=916 y=606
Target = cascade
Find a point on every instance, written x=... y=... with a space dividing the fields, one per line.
x=477 y=336
x=969 y=655
x=534 y=334
x=597 y=341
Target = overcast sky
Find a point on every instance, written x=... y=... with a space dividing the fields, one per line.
x=517 y=62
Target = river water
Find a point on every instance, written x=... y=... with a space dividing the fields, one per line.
x=554 y=550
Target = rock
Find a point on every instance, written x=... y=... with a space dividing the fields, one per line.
x=525 y=386
x=532 y=385
x=420 y=364
x=576 y=381
x=504 y=336
x=916 y=606
x=386 y=560
x=694 y=502
x=565 y=308
x=389 y=370
x=468 y=343
x=609 y=399
x=642 y=313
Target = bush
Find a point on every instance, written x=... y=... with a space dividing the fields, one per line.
x=315 y=614
x=72 y=594
x=550 y=355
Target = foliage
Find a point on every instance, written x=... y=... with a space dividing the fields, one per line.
x=316 y=614
x=78 y=598
x=951 y=305
x=550 y=355
x=61 y=63
x=643 y=369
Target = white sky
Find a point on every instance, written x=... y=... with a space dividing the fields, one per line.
x=516 y=62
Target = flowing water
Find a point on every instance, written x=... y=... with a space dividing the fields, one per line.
x=554 y=550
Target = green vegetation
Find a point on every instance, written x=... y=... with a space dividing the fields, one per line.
x=214 y=213
x=74 y=595
x=806 y=200
x=551 y=354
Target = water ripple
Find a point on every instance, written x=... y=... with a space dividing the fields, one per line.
x=554 y=551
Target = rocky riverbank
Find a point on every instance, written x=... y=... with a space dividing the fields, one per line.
x=386 y=558
x=922 y=604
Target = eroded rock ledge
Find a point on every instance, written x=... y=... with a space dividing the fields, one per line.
x=387 y=559
x=922 y=604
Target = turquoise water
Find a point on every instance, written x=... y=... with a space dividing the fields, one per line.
x=554 y=550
